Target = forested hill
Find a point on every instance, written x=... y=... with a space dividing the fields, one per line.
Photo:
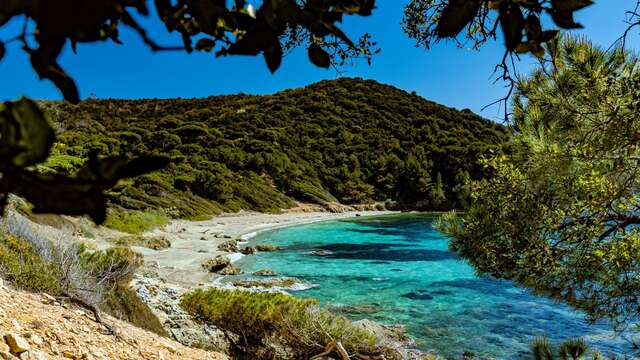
x=347 y=140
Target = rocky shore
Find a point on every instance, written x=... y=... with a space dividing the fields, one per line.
x=193 y=243
x=203 y=252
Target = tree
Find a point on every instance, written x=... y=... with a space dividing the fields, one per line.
x=429 y=21
x=474 y=22
x=561 y=213
x=229 y=28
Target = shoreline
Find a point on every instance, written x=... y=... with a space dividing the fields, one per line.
x=194 y=242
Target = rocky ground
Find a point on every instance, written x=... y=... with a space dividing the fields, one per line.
x=38 y=327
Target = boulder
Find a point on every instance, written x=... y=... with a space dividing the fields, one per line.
x=229 y=246
x=267 y=247
x=217 y=263
x=265 y=272
x=16 y=343
x=248 y=250
x=230 y=270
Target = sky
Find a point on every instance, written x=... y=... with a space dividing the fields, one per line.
x=459 y=78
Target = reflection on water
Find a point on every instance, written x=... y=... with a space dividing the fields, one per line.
x=397 y=269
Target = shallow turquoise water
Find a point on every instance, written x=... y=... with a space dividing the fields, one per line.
x=397 y=269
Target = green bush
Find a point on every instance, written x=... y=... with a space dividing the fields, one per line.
x=22 y=266
x=114 y=266
x=124 y=303
x=298 y=324
x=135 y=221
x=151 y=242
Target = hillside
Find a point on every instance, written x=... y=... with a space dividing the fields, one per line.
x=46 y=329
x=348 y=140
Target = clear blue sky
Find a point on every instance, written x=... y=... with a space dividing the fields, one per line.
x=446 y=74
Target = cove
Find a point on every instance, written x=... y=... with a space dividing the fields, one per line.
x=398 y=269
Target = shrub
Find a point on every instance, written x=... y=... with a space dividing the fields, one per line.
x=258 y=318
x=125 y=304
x=114 y=266
x=135 y=222
x=151 y=242
x=572 y=349
x=43 y=260
x=21 y=265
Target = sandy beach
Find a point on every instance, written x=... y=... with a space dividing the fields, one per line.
x=194 y=242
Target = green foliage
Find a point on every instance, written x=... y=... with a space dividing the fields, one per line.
x=429 y=21
x=299 y=324
x=27 y=140
x=151 y=242
x=125 y=304
x=572 y=349
x=115 y=265
x=22 y=266
x=348 y=140
x=560 y=213
x=135 y=222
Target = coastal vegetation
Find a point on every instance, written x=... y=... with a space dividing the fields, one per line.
x=299 y=326
x=350 y=141
x=556 y=209
x=69 y=270
x=560 y=213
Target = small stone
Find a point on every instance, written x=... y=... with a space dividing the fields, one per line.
x=80 y=313
x=16 y=343
x=170 y=347
x=37 y=355
x=35 y=339
x=16 y=324
x=5 y=352
x=48 y=299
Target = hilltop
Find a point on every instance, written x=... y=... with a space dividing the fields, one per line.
x=347 y=141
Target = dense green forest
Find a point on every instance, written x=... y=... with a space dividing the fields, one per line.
x=348 y=140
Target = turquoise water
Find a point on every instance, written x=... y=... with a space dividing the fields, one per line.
x=397 y=269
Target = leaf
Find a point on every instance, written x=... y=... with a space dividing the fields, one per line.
x=205 y=44
x=110 y=170
x=548 y=35
x=533 y=27
x=273 y=57
x=318 y=56
x=71 y=196
x=43 y=61
x=26 y=134
x=253 y=42
x=512 y=23
x=570 y=5
x=456 y=15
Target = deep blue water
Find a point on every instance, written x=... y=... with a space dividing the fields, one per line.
x=397 y=269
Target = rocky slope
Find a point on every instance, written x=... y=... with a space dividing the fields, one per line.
x=36 y=326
